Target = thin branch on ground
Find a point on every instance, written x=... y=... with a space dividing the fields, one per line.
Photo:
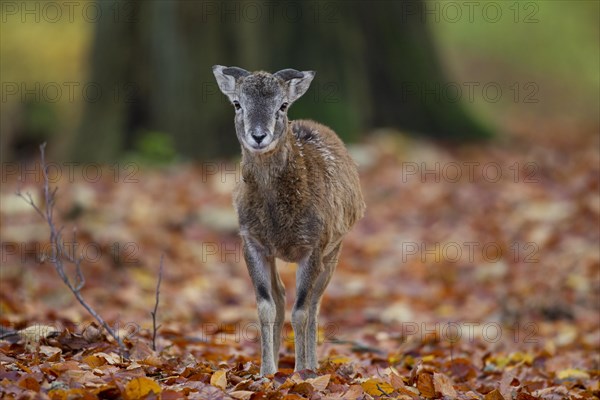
x=59 y=253
x=153 y=313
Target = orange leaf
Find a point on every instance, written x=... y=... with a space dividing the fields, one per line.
x=425 y=385
x=29 y=383
x=494 y=395
x=94 y=361
x=377 y=387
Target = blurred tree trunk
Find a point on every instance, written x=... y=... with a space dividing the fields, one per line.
x=377 y=66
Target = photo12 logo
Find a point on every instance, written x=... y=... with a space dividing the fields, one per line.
x=53 y=12
x=120 y=253
x=70 y=172
x=69 y=91
x=452 y=12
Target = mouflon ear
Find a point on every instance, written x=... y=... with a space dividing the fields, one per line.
x=227 y=78
x=297 y=82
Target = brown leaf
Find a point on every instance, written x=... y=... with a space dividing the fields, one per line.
x=462 y=369
x=319 y=383
x=29 y=383
x=92 y=334
x=52 y=353
x=241 y=394
x=443 y=385
x=94 y=360
x=494 y=395
x=396 y=381
x=525 y=396
x=354 y=392
x=425 y=385
x=303 y=388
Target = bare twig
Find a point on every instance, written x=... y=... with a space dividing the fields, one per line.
x=153 y=313
x=59 y=253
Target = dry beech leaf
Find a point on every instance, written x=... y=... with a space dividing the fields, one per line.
x=140 y=387
x=494 y=395
x=425 y=385
x=377 y=387
x=319 y=383
x=92 y=334
x=303 y=388
x=338 y=360
x=112 y=358
x=94 y=360
x=241 y=394
x=52 y=353
x=572 y=374
x=293 y=396
x=443 y=385
x=353 y=393
x=35 y=333
x=29 y=383
x=219 y=379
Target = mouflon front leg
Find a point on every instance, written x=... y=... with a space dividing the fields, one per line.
x=279 y=297
x=329 y=263
x=308 y=271
x=260 y=267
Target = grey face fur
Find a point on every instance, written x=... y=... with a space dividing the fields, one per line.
x=261 y=101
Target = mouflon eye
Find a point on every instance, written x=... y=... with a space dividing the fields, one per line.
x=283 y=107
x=237 y=106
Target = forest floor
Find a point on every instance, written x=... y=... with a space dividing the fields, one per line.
x=474 y=275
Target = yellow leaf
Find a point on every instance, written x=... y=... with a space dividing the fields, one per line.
x=518 y=357
x=394 y=358
x=428 y=358
x=219 y=379
x=338 y=359
x=140 y=387
x=377 y=387
x=572 y=374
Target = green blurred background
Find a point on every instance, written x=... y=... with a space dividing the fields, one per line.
x=103 y=81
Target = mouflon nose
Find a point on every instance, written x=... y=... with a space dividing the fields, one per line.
x=258 y=136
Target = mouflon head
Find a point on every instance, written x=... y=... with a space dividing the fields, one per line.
x=261 y=101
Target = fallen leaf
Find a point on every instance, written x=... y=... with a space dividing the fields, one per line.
x=94 y=360
x=241 y=394
x=35 y=333
x=354 y=392
x=219 y=379
x=319 y=383
x=377 y=387
x=425 y=385
x=139 y=387
x=52 y=353
x=443 y=385
x=494 y=395
x=29 y=383
x=572 y=374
